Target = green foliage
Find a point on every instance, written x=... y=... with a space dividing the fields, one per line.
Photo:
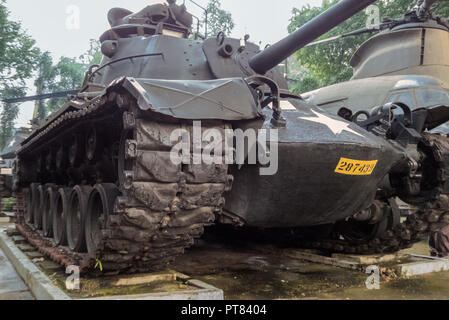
x=328 y=63
x=44 y=79
x=18 y=57
x=67 y=74
x=18 y=54
x=93 y=54
x=10 y=111
x=304 y=84
x=218 y=19
x=8 y=204
x=98 y=264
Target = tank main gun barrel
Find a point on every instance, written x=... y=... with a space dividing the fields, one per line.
x=424 y=7
x=275 y=54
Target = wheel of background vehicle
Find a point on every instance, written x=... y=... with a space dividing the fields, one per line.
x=30 y=202
x=47 y=215
x=361 y=232
x=434 y=170
x=39 y=207
x=356 y=231
x=75 y=227
x=59 y=216
x=100 y=206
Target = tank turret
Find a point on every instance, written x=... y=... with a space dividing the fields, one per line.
x=155 y=43
x=406 y=62
x=414 y=45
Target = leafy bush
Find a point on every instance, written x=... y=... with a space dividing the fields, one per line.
x=8 y=204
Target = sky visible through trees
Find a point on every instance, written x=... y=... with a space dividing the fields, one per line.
x=27 y=69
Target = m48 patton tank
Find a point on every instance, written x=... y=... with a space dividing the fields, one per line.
x=7 y=157
x=102 y=181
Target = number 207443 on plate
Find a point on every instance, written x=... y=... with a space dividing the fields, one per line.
x=356 y=167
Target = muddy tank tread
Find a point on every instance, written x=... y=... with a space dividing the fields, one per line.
x=162 y=207
x=165 y=206
x=432 y=212
x=409 y=232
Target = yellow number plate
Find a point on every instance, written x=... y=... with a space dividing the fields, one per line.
x=356 y=167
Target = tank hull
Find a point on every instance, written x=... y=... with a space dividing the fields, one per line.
x=307 y=190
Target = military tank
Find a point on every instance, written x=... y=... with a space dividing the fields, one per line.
x=7 y=157
x=97 y=182
x=413 y=73
x=404 y=64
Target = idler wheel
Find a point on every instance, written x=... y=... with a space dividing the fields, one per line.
x=75 y=227
x=100 y=206
x=61 y=206
x=39 y=207
x=32 y=195
x=47 y=218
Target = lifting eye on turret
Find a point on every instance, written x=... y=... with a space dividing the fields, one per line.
x=226 y=50
x=109 y=48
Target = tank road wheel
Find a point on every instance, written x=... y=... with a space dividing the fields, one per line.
x=47 y=218
x=139 y=218
x=32 y=195
x=59 y=216
x=76 y=218
x=39 y=207
x=100 y=206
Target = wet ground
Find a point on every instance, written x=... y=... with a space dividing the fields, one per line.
x=265 y=273
x=11 y=286
x=256 y=271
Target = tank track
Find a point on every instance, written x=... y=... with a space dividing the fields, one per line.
x=161 y=208
x=432 y=212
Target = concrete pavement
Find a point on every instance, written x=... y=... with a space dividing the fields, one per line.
x=11 y=286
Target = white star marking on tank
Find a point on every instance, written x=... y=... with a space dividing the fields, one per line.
x=336 y=126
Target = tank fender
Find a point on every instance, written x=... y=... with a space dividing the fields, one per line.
x=228 y=99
